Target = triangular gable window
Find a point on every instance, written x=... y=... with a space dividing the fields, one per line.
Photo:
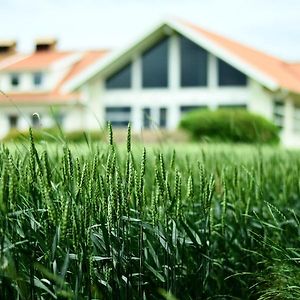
x=193 y=65
x=155 y=65
x=229 y=76
x=121 y=79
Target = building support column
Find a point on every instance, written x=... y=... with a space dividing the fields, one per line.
x=174 y=63
x=212 y=80
x=173 y=117
x=136 y=118
x=136 y=79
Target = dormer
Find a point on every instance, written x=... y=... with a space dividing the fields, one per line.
x=7 y=47
x=45 y=44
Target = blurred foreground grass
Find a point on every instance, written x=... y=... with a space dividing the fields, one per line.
x=185 y=221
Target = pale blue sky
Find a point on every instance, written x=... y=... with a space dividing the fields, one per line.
x=270 y=25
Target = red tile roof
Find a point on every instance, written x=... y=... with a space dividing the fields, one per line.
x=87 y=60
x=37 y=61
x=34 y=98
x=295 y=68
x=280 y=71
x=41 y=61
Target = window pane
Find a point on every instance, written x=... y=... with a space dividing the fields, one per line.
x=118 y=116
x=233 y=106
x=120 y=80
x=37 y=79
x=117 y=109
x=13 y=121
x=188 y=108
x=163 y=117
x=155 y=65
x=14 y=79
x=146 y=117
x=229 y=76
x=296 y=119
x=193 y=65
x=278 y=113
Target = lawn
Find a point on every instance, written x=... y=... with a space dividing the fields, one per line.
x=189 y=221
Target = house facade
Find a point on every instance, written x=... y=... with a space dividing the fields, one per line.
x=173 y=68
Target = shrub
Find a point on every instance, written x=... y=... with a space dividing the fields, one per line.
x=79 y=136
x=53 y=135
x=229 y=125
x=45 y=134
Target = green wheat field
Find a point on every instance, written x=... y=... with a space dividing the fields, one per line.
x=111 y=221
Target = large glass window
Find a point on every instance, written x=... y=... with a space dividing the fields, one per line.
x=193 y=64
x=278 y=113
x=155 y=65
x=118 y=116
x=229 y=76
x=121 y=79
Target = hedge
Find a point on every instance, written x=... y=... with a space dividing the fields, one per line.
x=229 y=125
x=53 y=135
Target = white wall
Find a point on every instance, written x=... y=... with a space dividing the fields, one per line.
x=260 y=100
x=51 y=76
x=73 y=119
x=92 y=105
x=24 y=113
x=290 y=136
x=257 y=98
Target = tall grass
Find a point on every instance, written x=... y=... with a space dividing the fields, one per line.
x=114 y=223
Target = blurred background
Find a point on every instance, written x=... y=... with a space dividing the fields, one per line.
x=78 y=65
x=272 y=26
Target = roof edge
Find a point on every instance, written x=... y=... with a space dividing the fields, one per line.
x=104 y=62
x=198 y=38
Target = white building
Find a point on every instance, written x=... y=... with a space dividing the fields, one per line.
x=173 y=68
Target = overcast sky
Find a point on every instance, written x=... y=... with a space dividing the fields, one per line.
x=270 y=25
